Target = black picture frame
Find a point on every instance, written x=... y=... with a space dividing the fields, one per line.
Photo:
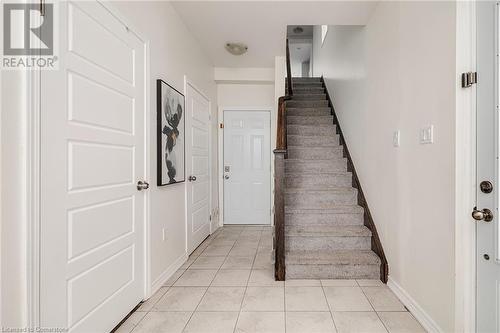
x=170 y=168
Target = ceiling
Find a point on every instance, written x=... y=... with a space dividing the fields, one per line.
x=262 y=25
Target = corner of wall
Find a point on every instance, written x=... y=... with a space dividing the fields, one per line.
x=168 y=273
x=412 y=305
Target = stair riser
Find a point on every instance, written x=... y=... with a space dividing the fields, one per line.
x=315 y=154
x=311 y=130
x=312 y=141
x=305 y=85
x=305 y=91
x=306 y=104
x=324 y=219
x=306 y=181
x=306 y=79
x=332 y=271
x=308 y=97
x=309 y=120
x=320 y=199
x=315 y=167
x=311 y=243
x=313 y=112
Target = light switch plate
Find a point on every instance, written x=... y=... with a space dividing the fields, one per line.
x=427 y=135
x=396 y=138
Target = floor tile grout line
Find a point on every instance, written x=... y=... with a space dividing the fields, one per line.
x=329 y=308
x=195 y=257
x=134 y=326
x=206 y=290
x=376 y=313
x=244 y=294
x=152 y=307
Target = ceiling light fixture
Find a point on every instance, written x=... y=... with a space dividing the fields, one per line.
x=298 y=30
x=236 y=48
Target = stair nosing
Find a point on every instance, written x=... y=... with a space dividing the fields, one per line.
x=338 y=189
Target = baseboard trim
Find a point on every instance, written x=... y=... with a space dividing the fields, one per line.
x=416 y=310
x=167 y=273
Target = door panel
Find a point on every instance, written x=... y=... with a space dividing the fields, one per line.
x=487 y=256
x=197 y=165
x=92 y=155
x=247 y=169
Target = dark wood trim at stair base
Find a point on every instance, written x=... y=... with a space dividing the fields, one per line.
x=279 y=214
x=368 y=220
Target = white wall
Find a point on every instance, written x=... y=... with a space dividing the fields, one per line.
x=398 y=72
x=174 y=52
x=245 y=95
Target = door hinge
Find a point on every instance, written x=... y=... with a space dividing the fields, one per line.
x=468 y=79
x=221 y=125
x=210 y=217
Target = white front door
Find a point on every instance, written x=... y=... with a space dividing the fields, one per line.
x=247 y=167
x=197 y=167
x=92 y=155
x=488 y=143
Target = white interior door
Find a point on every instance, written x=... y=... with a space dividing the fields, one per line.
x=488 y=143
x=197 y=166
x=247 y=167
x=93 y=154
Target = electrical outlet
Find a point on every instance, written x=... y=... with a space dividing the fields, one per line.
x=396 y=138
x=427 y=135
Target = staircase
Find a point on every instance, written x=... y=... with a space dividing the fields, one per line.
x=324 y=233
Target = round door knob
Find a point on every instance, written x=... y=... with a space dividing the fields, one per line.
x=142 y=185
x=482 y=215
x=226 y=176
x=192 y=178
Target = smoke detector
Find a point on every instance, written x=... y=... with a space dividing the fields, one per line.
x=298 y=30
x=236 y=48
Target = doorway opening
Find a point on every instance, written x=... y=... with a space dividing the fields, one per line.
x=300 y=39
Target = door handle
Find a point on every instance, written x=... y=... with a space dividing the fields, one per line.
x=142 y=185
x=192 y=178
x=482 y=215
x=226 y=176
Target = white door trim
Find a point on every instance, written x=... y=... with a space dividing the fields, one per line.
x=187 y=82
x=33 y=179
x=465 y=171
x=220 y=147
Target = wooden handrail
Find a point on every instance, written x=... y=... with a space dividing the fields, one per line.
x=288 y=70
x=281 y=143
x=280 y=154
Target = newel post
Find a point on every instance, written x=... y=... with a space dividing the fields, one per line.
x=279 y=214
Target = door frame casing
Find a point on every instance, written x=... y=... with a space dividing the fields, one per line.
x=465 y=171
x=32 y=137
x=220 y=148
x=188 y=82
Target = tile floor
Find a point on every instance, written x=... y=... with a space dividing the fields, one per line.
x=227 y=285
